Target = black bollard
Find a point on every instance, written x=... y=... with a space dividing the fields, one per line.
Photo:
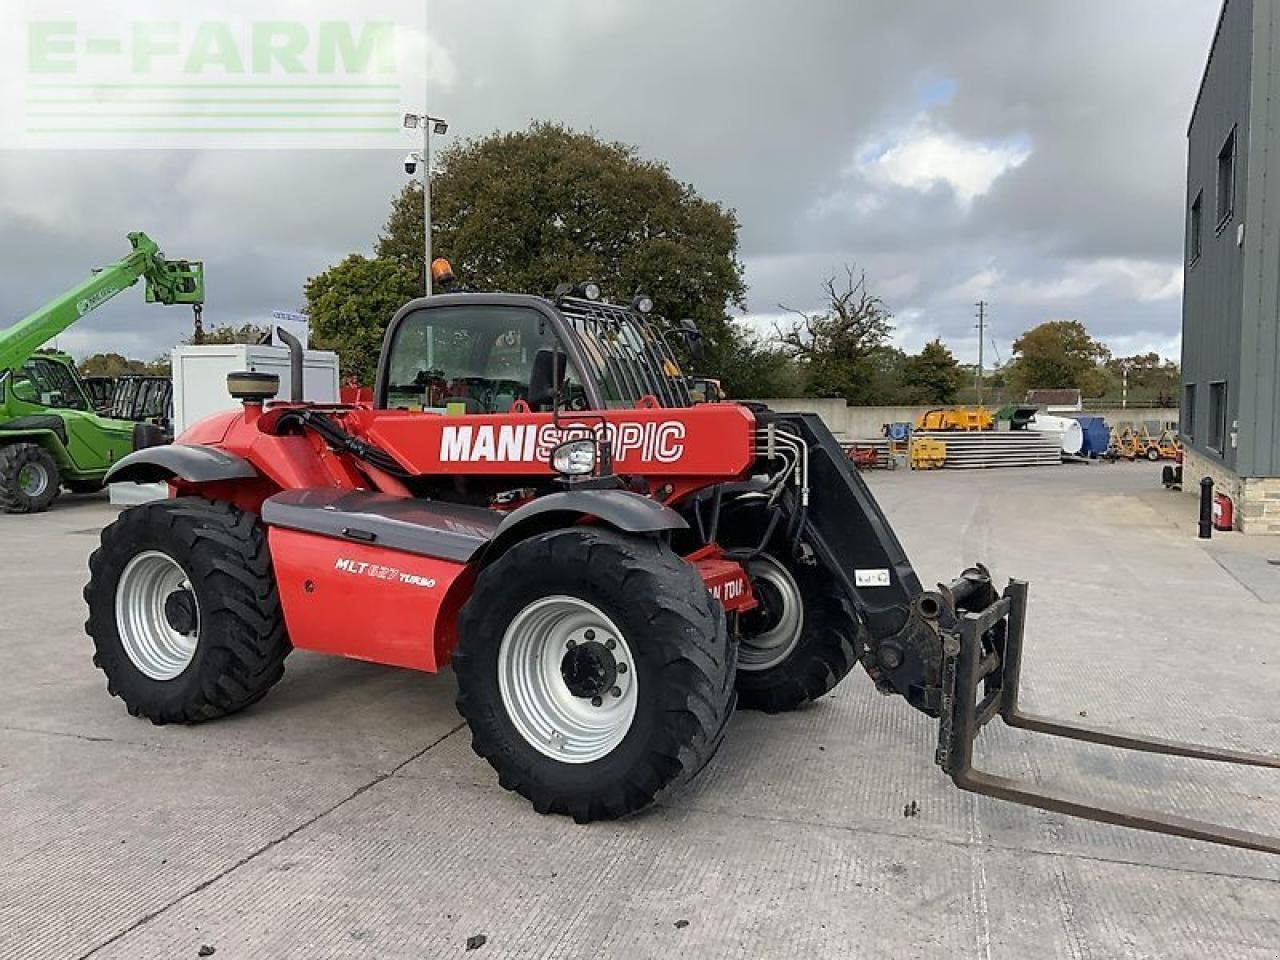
x=1206 y=508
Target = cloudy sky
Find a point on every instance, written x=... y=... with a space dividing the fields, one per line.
x=1026 y=152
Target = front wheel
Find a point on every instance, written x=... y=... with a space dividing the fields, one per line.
x=802 y=638
x=594 y=671
x=28 y=478
x=183 y=611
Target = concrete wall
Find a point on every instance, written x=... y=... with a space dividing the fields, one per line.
x=858 y=423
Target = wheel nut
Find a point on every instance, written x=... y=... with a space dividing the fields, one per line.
x=590 y=634
x=571 y=644
x=616 y=691
x=611 y=643
x=596 y=701
x=622 y=668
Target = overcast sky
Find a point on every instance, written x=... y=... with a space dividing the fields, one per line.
x=1027 y=153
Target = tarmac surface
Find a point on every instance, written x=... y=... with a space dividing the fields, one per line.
x=346 y=816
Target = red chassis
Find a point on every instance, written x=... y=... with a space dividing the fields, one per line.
x=331 y=583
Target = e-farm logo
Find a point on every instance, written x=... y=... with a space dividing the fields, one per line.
x=268 y=73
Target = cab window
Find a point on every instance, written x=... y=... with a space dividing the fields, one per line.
x=49 y=384
x=477 y=359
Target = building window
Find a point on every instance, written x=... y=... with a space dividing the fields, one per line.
x=1195 y=223
x=1227 y=179
x=1189 y=410
x=1218 y=416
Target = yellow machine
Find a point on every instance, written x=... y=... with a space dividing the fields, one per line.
x=956 y=418
x=927 y=453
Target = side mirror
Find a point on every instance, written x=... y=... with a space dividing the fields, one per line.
x=693 y=338
x=545 y=378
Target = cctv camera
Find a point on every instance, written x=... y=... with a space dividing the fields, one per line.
x=411 y=164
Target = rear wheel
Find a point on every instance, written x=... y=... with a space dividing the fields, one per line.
x=28 y=478
x=1153 y=454
x=802 y=639
x=594 y=671
x=183 y=611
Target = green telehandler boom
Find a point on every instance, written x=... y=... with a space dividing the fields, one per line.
x=50 y=436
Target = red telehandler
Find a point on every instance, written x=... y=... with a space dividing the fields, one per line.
x=533 y=497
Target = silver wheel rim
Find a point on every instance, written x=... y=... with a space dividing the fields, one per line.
x=156 y=648
x=559 y=723
x=33 y=479
x=770 y=647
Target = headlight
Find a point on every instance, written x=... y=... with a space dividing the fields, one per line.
x=574 y=458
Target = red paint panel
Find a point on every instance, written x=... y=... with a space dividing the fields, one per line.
x=359 y=601
x=708 y=441
x=726 y=579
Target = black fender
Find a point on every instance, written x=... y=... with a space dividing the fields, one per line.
x=195 y=464
x=621 y=509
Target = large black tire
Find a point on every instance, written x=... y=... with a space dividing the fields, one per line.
x=238 y=627
x=683 y=667
x=825 y=649
x=29 y=479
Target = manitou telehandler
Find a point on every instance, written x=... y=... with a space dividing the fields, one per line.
x=533 y=498
x=51 y=434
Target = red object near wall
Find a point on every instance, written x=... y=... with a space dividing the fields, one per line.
x=356 y=395
x=1223 y=512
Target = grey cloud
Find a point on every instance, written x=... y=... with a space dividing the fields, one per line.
x=764 y=107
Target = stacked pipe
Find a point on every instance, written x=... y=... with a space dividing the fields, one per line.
x=997 y=448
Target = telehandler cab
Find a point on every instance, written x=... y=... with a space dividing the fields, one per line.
x=533 y=498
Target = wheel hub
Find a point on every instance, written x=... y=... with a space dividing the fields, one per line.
x=567 y=679
x=32 y=480
x=771 y=632
x=180 y=611
x=589 y=669
x=157 y=615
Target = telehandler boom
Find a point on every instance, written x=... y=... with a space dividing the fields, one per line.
x=50 y=434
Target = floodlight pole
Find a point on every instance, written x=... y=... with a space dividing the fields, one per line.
x=426 y=198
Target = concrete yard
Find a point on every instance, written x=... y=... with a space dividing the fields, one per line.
x=346 y=816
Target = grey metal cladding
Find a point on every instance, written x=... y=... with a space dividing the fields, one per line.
x=196 y=464
x=427 y=528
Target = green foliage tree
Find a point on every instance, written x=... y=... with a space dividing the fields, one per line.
x=111 y=365
x=233 y=333
x=1151 y=379
x=932 y=375
x=842 y=349
x=350 y=305
x=757 y=369
x=528 y=210
x=1058 y=354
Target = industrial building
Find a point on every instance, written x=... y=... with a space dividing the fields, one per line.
x=1230 y=419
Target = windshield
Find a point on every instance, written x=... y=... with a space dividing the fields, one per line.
x=478 y=359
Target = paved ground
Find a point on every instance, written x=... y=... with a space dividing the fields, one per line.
x=345 y=815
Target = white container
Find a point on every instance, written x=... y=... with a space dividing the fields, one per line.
x=1070 y=430
x=200 y=377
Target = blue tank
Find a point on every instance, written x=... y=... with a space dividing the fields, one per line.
x=1097 y=437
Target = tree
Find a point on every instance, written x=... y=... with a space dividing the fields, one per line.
x=1058 y=354
x=350 y=306
x=932 y=375
x=111 y=365
x=838 y=349
x=244 y=333
x=1151 y=378
x=756 y=368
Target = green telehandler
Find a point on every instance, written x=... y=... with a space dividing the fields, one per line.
x=50 y=435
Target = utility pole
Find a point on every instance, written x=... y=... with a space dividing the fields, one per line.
x=982 y=337
x=429 y=125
